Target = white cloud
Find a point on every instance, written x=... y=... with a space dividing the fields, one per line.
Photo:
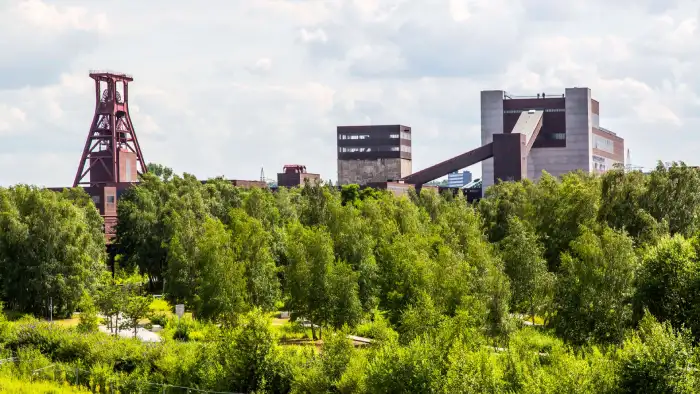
x=10 y=119
x=313 y=35
x=43 y=16
x=225 y=88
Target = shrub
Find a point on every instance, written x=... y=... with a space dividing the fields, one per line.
x=159 y=311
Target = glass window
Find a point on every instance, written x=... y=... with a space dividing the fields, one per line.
x=393 y=136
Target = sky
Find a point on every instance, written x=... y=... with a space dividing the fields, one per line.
x=227 y=87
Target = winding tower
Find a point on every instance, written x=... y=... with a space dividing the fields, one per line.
x=112 y=159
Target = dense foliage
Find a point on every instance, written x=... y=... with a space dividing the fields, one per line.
x=580 y=284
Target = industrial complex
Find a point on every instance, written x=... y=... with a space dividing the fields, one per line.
x=520 y=136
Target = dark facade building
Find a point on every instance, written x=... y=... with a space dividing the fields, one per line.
x=370 y=154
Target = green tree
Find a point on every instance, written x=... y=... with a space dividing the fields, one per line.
x=141 y=229
x=159 y=170
x=531 y=284
x=220 y=285
x=667 y=284
x=51 y=250
x=248 y=355
x=595 y=289
x=344 y=302
x=250 y=243
x=674 y=196
x=135 y=308
x=562 y=209
x=320 y=289
x=623 y=205
x=657 y=359
x=310 y=255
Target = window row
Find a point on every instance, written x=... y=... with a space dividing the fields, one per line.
x=360 y=149
x=402 y=135
x=353 y=136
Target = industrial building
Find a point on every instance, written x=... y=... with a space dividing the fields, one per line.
x=570 y=136
x=522 y=136
x=369 y=154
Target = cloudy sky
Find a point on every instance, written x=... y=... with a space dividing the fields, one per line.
x=225 y=87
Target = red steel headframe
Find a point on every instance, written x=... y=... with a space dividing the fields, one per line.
x=111 y=131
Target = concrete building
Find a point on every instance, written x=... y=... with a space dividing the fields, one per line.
x=371 y=154
x=570 y=137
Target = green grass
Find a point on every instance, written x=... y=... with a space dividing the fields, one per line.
x=538 y=320
x=17 y=386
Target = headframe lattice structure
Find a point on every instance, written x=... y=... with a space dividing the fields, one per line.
x=112 y=151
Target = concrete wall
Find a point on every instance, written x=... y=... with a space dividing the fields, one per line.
x=491 y=123
x=406 y=167
x=577 y=153
x=366 y=171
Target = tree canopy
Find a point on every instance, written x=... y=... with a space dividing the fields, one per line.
x=583 y=283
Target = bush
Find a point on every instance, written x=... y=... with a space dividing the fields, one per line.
x=159 y=311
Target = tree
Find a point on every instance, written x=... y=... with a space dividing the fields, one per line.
x=316 y=283
x=135 y=308
x=159 y=170
x=220 y=286
x=674 y=196
x=531 y=283
x=141 y=228
x=595 y=289
x=562 y=209
x=250 y=244
x=658 y=359
x=668 y=282
x=51 y=250
x=623 y=206
x=248 y=354
x=343 y=303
